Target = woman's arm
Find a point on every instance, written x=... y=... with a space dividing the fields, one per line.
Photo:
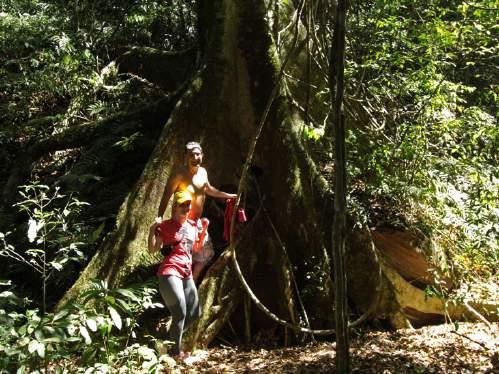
x=198 y=244
x=154 y=240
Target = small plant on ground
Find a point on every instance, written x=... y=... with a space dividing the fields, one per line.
x=54 y=236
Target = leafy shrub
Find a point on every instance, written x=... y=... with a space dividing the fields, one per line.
x=107 y=310
x=96 y=328
x=91 y=334
x=53 y=235
x=422 y=82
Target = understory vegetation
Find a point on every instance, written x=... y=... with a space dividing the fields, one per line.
x=422 y=101
x=422 y=94
x=428 y=78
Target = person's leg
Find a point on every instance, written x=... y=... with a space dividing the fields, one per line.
x=172 y=291
x=191 y=301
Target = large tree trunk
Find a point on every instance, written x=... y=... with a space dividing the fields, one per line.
x=222 y=108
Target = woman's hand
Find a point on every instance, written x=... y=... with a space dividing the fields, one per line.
x=198 y=245
x=154 y=228
x=154 y=240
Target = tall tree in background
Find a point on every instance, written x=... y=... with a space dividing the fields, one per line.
x=222 y=107
x=336 y=87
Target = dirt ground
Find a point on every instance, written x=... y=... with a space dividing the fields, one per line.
x=472 y=348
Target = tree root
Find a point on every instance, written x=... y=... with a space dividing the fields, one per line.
x=474 y=312
x=418 y=306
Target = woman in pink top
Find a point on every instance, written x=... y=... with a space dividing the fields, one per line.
x=175 y=272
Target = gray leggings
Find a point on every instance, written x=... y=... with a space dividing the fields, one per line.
x=181 y=299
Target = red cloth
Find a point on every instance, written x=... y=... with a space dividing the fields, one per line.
x=240 y=217
x=182 y=236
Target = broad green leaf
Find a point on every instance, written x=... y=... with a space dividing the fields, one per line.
x=49 y=329
x=92 y=325
x=32 y=346
x=85 y=334
x=111 y=300
x=115 y=317
x=127 y=293
x=63 y=313
x=126 y=307
x=23 y=341
x=39 y=334
x=40 y=349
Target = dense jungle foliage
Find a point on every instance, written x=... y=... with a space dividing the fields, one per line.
x=422 y=94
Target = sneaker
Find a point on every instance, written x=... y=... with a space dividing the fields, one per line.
x=181 y=357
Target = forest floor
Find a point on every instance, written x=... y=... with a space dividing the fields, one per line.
x=472 y=348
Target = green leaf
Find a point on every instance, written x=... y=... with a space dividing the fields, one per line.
x=96 y=233
x=49 y=329
x=126 y=307
x=92 y=325
x=127 y=293
x=39 y=334
x=23 y=341
x=32 y=346
x=115 y=317
x=53 y=339
x=84 y=333
x=110 y=300
x=56 y=265
x=40 y=349
x=87 y=357
x=63 y=313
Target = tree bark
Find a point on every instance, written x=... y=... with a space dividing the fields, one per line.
x=221 y=108
x=336 y=86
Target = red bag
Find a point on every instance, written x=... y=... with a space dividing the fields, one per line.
x=240 y=217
